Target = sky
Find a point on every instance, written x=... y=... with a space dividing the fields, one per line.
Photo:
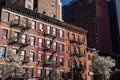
x=65 y=1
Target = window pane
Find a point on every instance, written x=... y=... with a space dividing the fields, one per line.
x=48 y=29
x=54 y=31
x=54 y=46
x=2 y=51
x=17 y=18
x=25 y=22
x=32 y=41
x=39 y=72
x=22 y=55
x=33 y=24
x=6 y=17
x=39 y=57
x=41 y=27
x=48 y=44
x=61 y=34
x=4 y=34
x=31 y=56
x=16 y=36
x=40 y=42
x=23 y=38
x=67 y=35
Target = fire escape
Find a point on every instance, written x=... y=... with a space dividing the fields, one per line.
x=18 y=40
x=50 y=62
x=76 y=69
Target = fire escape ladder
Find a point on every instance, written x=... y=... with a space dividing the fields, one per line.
x=21 y=33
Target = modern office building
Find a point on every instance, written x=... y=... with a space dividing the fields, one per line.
x=93 y=16
x=56 y=50
x=114 y=16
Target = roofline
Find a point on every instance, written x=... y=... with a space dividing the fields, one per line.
x=39 y=16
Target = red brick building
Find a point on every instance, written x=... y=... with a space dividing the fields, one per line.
x=55 y=49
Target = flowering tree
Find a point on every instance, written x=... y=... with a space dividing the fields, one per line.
x=102 y=67
x=13 y=66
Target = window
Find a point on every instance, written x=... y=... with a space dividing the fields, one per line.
x=41 y=27
x=89 y=57
x=54 y=31
x=48 y=29
x=48 y=44
x=73 y=37
x=67 y=48
x=68 y=63
x=39 y=57
x=61 y=34
x=54 y=59
x=83 y=52
x=33 y=26
x=79 y=63
x=14 y=51
x=17 y=18
x=47 y=74
x=61 y=47
x=16 y=36
x=89 y=68
x=6 y=16
x=39 y=72
x=48 y=57
x=32 y=56
x=32 y=40
x=54 y=46
x=23 y=38
x=31 y=72
x=61 y=61
x=25 y=22
x=77 y=38
x=78 y=51
x=73 y=50
x=2 y=52
x=40 y=42
x=83 y=39
x=67 y=35
x=84 y=65
x=53 y=10
x=22 y=55
x=4 y=34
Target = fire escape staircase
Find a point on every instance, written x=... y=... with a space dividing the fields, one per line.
x=22 y=28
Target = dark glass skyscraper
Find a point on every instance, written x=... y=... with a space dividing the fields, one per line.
x=114 y=16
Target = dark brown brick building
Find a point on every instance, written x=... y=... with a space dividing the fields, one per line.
x=93 y=16
x=56 y=50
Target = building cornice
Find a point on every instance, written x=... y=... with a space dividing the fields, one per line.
x=39 y=16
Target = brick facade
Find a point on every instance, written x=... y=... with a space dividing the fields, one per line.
x=65 y=58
